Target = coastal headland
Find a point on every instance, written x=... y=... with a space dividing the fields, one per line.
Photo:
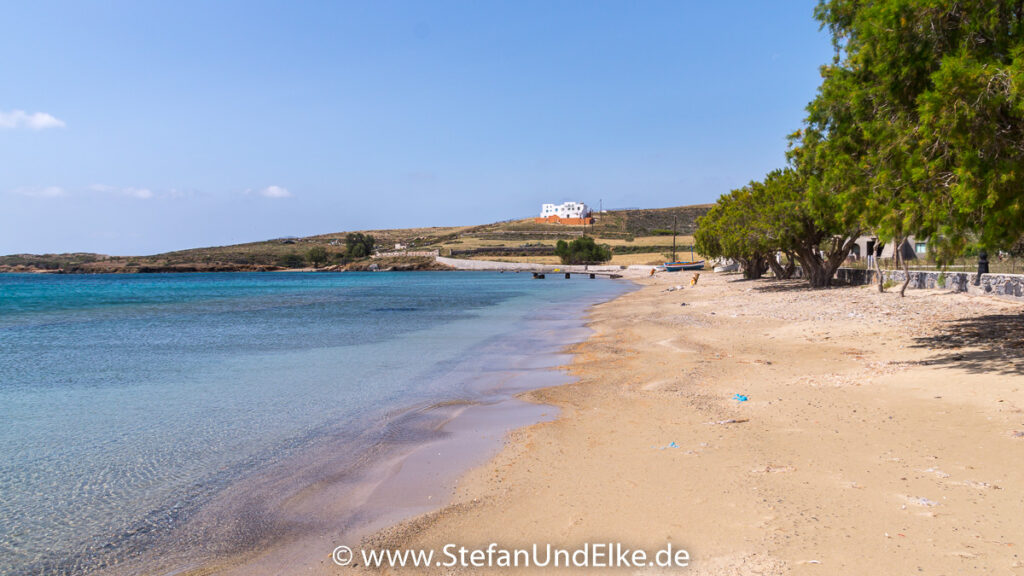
x=766 y=429
x=636 y=236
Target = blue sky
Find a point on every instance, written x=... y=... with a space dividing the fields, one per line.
x=141 y=127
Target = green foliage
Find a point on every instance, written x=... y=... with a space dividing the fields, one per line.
x=752 y=224
x=924 y=109
x=582 y=251
x=916 y=129
x=732 y=229
x=317 y=255
x=940 y=281
x=292 y=260
x=358 y=245
x=661 y=232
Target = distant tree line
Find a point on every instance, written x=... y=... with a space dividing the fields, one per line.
x=917 y=129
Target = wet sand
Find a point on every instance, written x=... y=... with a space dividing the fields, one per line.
x=880 y=435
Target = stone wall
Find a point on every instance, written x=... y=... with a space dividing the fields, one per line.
x=1002 y=285
x=408 y=253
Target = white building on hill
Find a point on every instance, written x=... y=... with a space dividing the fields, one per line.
x=566 y=210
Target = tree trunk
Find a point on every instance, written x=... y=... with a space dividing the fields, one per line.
x=753 y=268
x=790 y=264
x=906 y=272
x=817 y=270
x=782 y=271
x=878 y=274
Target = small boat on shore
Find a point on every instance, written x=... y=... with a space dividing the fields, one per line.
x=677 y=266
x=728 y=266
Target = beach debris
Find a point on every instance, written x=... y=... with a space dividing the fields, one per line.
x=673 y=445
x=771 y=469
x=922 y=501
x=937 y=472
x=682 y=303
x=733 y=421
x=673 y=288
x=1018 y=433
x=739 y=397
x=670 y=445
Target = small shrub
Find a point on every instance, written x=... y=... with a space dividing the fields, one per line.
x=292 y=260
x=317 y=255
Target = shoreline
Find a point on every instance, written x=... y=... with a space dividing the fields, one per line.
x=875 y=434
x=415 y=470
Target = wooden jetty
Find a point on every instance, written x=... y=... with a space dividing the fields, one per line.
x=568 y=275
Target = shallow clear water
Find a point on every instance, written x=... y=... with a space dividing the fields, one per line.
x=128 y=400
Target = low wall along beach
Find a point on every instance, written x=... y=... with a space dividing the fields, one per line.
x=1002 y=285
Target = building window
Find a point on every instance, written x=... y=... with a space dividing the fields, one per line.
x=921 y=247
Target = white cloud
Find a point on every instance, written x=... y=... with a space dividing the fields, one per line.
x=46 y=192
x=275 y=192
x=35 y=121
x=140 y=193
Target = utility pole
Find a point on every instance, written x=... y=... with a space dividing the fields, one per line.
x=674 y=223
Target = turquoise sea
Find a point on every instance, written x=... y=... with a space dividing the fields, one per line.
x=128 y=402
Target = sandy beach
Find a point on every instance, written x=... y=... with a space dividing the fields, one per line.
x=879 y=435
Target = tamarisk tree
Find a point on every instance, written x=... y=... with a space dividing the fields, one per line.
x=756 y=223
x=917 y=129
x=925 y=99
x=734 y=228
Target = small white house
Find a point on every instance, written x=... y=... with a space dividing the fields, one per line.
x=565 y=210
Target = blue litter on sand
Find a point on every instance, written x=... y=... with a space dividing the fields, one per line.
x=739 y=397
x=673 y=445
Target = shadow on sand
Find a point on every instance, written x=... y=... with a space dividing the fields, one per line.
x=992 y=344
x=795 y=285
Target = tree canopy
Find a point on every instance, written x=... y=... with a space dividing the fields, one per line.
x=935 y=97
x=358 y=245
x=582 y=250
x=317 y=255
x=917 y=128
